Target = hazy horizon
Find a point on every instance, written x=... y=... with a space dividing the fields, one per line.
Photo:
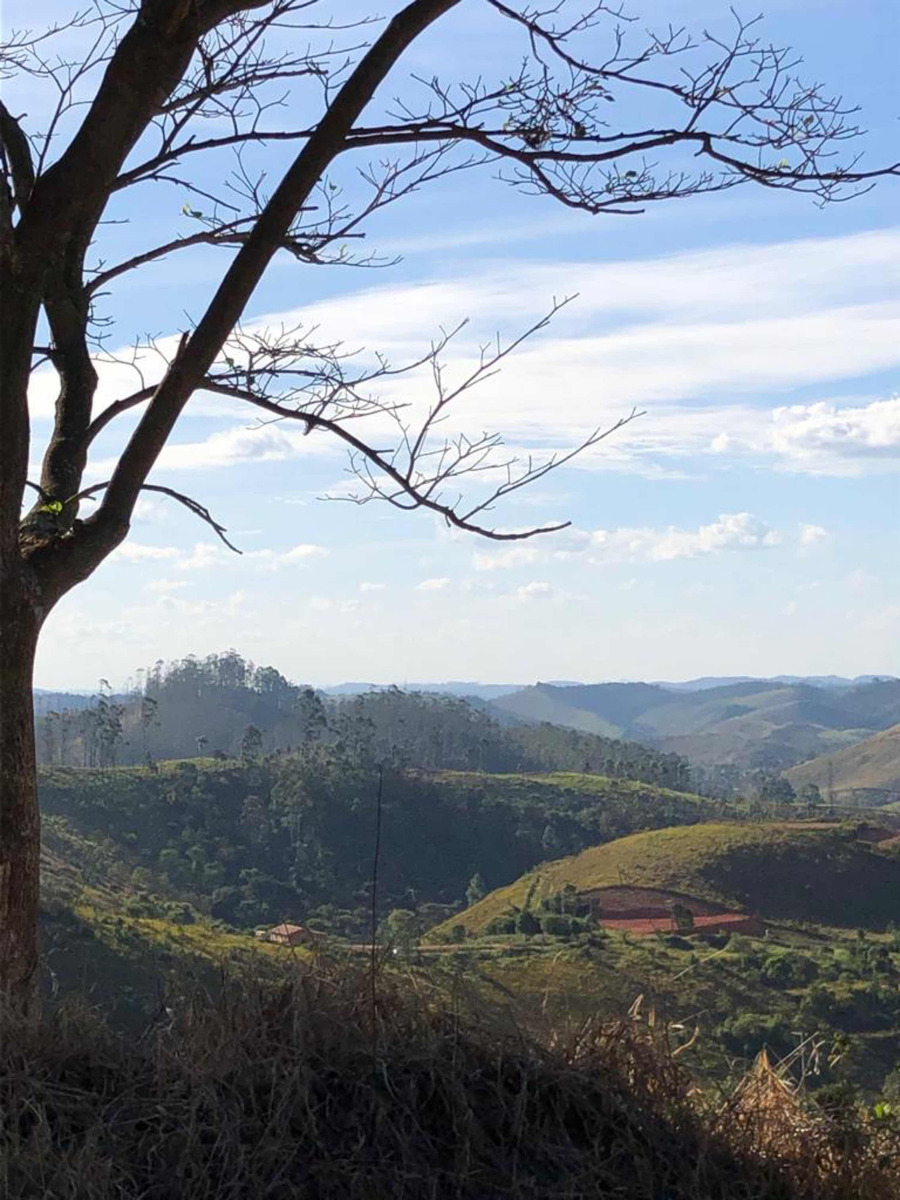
x=511 y=685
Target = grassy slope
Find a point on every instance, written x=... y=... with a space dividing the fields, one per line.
x=778 y=870
x=540 y=704
x=872 y=764
x=555 y=986
x=572 y=782
x=94 y=950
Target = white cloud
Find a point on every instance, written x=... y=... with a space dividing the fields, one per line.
x=829 y=437
x=432 y=585
x=646 y=544
x=284 y=558
x=689 y=336
x=326 y=604
x=536 y=590
x=368 y=586
x=730 y=531
x=859 y=580
x=151 y=510
x=166 y=585
x=231 y=446
x=797 y=276
x=812 y=535
x=138 y=552
x=205 y=555
x=516 y=556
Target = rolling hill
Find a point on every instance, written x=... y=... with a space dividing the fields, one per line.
x=757 y=723
x=870 y=767
x=780 y=871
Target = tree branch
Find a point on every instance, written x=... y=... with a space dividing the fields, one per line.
x=194 y=506
x=189 y=367
x=420 y=494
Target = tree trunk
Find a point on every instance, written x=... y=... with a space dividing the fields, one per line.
x=20 y=621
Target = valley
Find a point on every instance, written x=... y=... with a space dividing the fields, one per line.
x=738 y=932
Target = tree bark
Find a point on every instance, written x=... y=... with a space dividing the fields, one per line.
x=20 y=621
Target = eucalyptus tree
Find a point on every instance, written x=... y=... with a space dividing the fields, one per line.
x=152 y=96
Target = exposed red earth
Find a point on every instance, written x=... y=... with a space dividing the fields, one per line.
x=649 y=910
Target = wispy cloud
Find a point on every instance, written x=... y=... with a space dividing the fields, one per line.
x=516 y=556
x=538 y=589
x=139 y=552
x=206 y=555
x=709 y=342
x=730 y=531
x=645 y=544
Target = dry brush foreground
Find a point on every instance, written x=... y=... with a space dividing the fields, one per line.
x=312 y=1090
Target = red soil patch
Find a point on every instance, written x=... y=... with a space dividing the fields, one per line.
x=649 y=910
x=729 y=922
x=643 y=903
x=876 y=834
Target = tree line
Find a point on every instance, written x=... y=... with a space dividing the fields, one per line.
x=225 y=707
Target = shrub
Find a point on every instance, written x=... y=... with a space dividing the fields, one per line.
x=749 y=1033
x=788 y=970
x=527 y=924
x=501 y=925
x=140 y=906
x=556 y=926
x=179 y=914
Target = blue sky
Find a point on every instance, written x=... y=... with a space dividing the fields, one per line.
x=747 y=524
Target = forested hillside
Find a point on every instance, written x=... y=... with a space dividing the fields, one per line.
x=294 y=838
x=225 y=707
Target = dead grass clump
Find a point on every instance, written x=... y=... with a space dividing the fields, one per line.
x=298 y=1092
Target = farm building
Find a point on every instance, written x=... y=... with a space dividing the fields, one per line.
x=288 y=935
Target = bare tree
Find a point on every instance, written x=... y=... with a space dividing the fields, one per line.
x=176 y=94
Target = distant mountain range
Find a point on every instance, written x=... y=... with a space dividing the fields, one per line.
x=46 y=701
x=772 y=724
x=490 y=691
x=483 y=691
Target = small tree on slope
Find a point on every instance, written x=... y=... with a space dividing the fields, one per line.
x=155 y=94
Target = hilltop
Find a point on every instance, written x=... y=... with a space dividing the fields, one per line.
x=871 y=767
x=780 y=871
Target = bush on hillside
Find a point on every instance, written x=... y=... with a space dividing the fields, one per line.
x=788 y=970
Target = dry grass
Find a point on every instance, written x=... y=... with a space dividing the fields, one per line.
x=298 y=1092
